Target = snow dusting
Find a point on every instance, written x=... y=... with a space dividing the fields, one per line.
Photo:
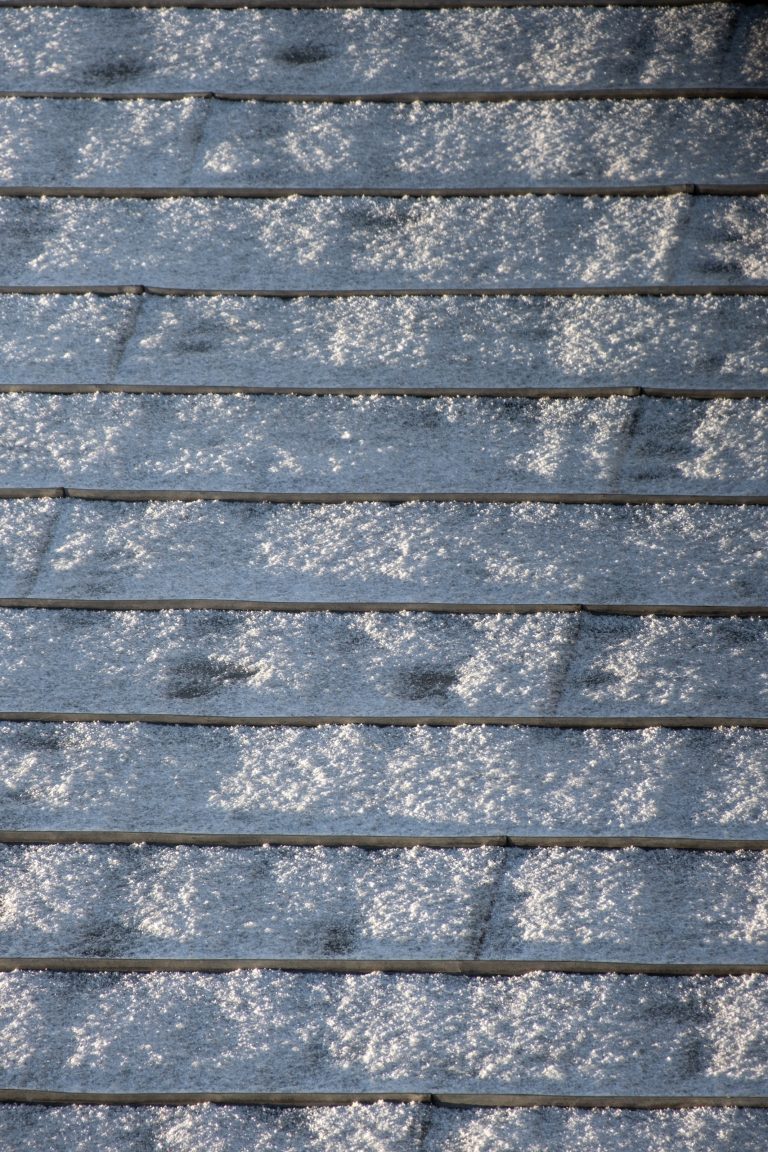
x=490 y=903
x=420 y=552
x=697 y=342
x=336 y=666
x=361 y=51
x=363 y=780
x=377 y=1127
x=26 y=528
x=278 y=1031
x=197 y=143
x=365 y=243
x=324 y=664
x=380 y=1127
x=274 y=444
x=281 y=663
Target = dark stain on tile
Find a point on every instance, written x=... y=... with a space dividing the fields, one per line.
x=105 y=937
x=339 y=938
x=302 y=54
x=191 y=679
x=597 y=678
x=425 y=682
x=114 y=71
x=37 y=739
x=721 y=268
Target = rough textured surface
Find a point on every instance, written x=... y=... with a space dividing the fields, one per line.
x=362 y=444
x=280 y=1031
x=694 y=445
x=67 y=142
x=417 y=552
x=250 y=902
x=529 y=342
x=278 y=663
x=410 y=664
x=148 y=143
x=529 y=904
x=364 y=51
x=384 y=781
x=379 y=242
x=624 y=905
x=557 y=1129
x=25 y=529
x=655 y=665
x=212 y=1128
x=378 y=1128
x=61 y=339
x=272 y=1030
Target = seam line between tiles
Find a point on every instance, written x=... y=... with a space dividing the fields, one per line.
x=625 y=440
x=493 y=896
x=344 y=4
x=43 y=552
x=734 y=48
x=755 y=288
x=196 y=143
x=341 y=965
x=596 y=842
x=256 y=192
x=192 y=495
x=424 y=1128
x=124 y=337
x=677 y=244
x=690 y=92
x=202 y=604
x=532 y=393
x=562 y=671
x=614 y=722
x=435 y=1097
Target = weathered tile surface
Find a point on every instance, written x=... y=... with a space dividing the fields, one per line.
x=362 y=780
x=699 y=343
x=277 y=1031
x=374 y=52
x=434 y=553
x=381 y=1128
x=197 y=143
x=556 y=904
x=365 y=243
x=376 y=444
x=412 y=664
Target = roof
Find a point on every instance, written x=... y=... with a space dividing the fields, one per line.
x=383 y=700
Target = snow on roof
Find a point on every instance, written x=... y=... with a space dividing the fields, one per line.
x=382 y=673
